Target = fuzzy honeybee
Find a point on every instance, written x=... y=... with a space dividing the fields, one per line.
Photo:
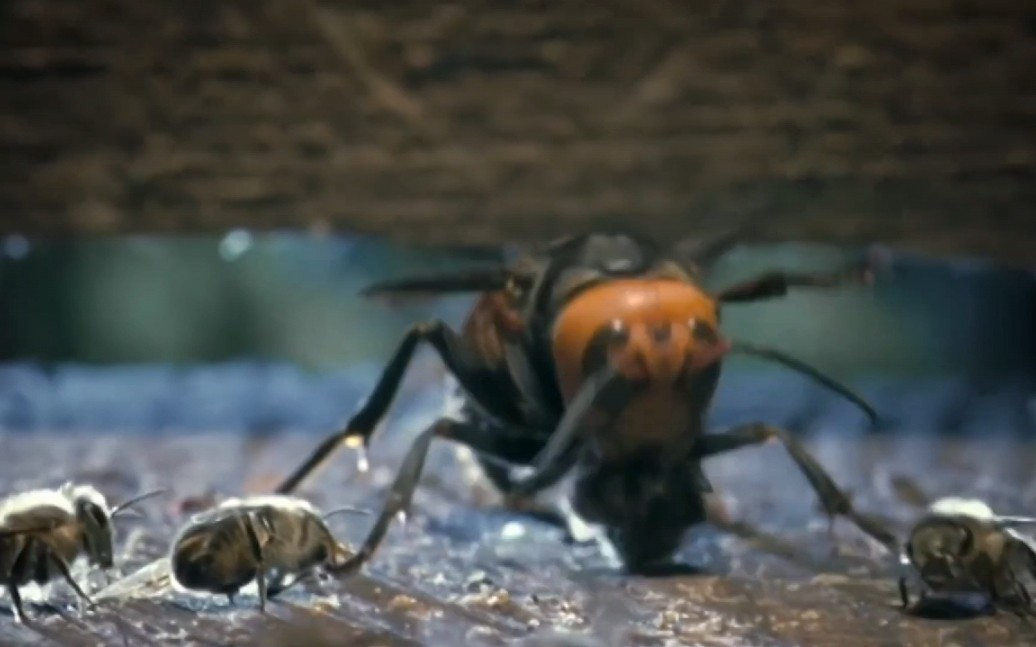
x=961 y=547
x=43 y=532
x=261 y=538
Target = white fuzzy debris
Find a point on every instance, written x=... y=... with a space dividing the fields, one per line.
x=512 y=530
x=975 y=508
x=453 y=400
x=581 y=531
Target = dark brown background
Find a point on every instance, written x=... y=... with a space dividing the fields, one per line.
x=905 y=123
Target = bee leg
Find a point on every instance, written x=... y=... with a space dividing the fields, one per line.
x=904 y=594
x=16 y=602
x=505 y=447
x=834 y=500
x=257 y=552
x=16 y=571
x=1009 y=592
x=1023 y=593
x=66 y=573
x=461 y=361
x=776 y=284
x=1030 y=568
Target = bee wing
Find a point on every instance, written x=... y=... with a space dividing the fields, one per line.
x=1009 y=521
x=1025 y=540
x=38 y=519
x=1025 y=545
x=215 y=514
x=150 y=580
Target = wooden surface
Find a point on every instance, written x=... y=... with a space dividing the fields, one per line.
x=461 y=571
x=448 y=574
x=477 y=122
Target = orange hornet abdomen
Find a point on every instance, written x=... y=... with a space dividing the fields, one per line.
x=659 y=329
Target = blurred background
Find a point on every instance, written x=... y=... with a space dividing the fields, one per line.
x=263 y=331
x=207 y=184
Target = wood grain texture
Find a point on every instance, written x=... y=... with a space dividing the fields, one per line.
x=451 y=574
x=463 y=571
x=476 y=122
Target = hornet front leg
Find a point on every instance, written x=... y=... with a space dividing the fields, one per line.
x=459 y=359
x=401 y=493
x=603 y=395
x=551 y=463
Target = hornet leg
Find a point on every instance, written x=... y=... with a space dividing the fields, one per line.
x=504 y=447
x=453 y=351
x=777 y=284
x=591 y=411
x=835 y=501
x=604 y=394
x=499 y=469
x=558 y=513
x=401 y=492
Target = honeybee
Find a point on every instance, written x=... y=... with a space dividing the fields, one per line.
x=960 y=547
x=44 y=531
x=263 y=538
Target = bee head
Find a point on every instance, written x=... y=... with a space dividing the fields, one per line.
x=938 y=548
x=94 y=515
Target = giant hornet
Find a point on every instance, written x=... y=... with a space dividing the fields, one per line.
x=599 y=353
